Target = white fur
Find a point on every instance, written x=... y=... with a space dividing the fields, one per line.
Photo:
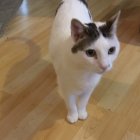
x=77 y=74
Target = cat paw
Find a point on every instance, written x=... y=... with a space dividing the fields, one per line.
x=82 y=115
x=72 y=118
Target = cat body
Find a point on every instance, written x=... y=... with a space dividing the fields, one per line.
x=78 y=50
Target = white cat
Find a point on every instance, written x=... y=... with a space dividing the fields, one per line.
x=81 y=50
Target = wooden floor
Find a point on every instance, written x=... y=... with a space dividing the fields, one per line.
x=31 y=109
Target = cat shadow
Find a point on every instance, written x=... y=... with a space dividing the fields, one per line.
x=16 y=89
x=55 y=119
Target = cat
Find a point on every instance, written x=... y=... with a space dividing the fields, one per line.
x=81 y=51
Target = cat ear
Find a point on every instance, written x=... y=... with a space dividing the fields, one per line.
x=110 y=27
x=77 y=30
x=113 y=22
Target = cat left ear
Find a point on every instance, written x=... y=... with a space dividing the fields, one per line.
x=110 y=27
x=77 y=30
x=113 y=22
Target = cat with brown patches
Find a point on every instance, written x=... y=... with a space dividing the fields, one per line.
x=81 y=51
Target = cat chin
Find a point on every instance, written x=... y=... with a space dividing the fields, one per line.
x=103 y=71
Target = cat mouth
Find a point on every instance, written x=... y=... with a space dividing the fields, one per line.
x=101 y=71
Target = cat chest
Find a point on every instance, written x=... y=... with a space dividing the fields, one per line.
x=80 y=82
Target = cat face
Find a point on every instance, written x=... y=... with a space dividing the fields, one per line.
x=96 y=44
x=102 y=53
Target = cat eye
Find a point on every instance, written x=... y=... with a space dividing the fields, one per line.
x=91 y=53
x=111 y=50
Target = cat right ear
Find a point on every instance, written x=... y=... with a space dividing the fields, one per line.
x=77 y=30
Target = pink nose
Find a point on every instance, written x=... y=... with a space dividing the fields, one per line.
x=104 y=67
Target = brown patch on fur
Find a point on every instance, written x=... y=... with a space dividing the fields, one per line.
x=91 y=34
x=84 y=2
x=106 y=29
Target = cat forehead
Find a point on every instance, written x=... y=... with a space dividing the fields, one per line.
x=99 y=28
x=92 y=31
x=94 y=35
x=102 y=44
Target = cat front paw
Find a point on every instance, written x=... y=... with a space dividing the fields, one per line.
x=72 y=118
x=82 y=115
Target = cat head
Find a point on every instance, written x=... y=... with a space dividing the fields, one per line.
x=96 y=44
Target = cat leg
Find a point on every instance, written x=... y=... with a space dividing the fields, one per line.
x=70 y=101
x=82 y=104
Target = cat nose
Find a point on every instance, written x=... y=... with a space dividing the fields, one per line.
x=104 y=67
